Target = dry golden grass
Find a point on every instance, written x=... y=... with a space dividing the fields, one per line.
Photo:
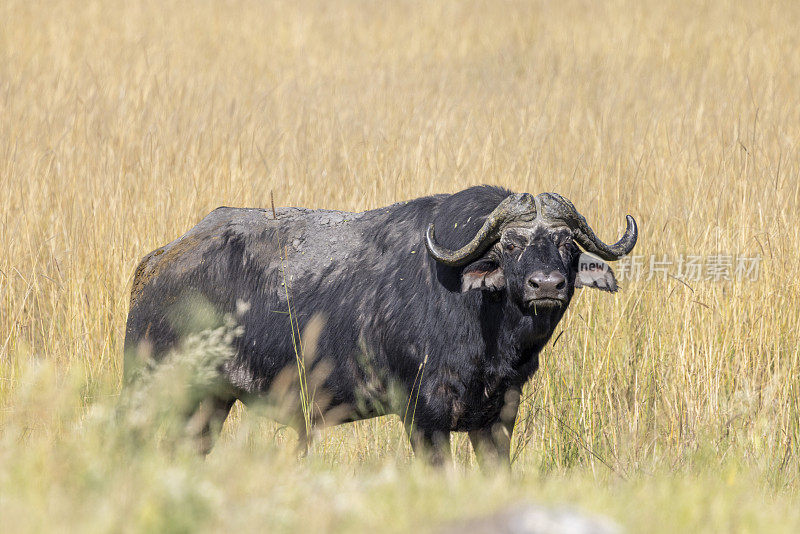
x=124 y=123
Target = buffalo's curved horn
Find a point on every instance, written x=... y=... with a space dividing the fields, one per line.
x=556 y=207
x=517 y=208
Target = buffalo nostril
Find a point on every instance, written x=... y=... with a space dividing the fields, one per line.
x=557 y=280
x=533 y=283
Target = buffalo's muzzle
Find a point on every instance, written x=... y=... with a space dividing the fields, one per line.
x=546 y=289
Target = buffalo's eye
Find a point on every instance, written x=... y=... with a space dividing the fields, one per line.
x=510 y=247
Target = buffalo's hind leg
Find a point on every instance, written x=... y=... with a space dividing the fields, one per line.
x=206 y=422
x=304 y=440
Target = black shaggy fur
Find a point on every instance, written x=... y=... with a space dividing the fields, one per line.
x=398 y=334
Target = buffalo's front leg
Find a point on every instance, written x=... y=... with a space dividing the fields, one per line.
x=492 y=444
x=431 y=445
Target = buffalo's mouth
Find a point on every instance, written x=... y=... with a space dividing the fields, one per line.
x=545 y=303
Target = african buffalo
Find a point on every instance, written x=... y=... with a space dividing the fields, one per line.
x=434 y=309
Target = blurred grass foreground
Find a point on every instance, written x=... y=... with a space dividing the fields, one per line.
x=673 y=405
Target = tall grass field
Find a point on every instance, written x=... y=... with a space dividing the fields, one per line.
x=671 y=406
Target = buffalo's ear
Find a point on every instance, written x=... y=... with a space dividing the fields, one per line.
x=594 y=272
x=484 y=275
